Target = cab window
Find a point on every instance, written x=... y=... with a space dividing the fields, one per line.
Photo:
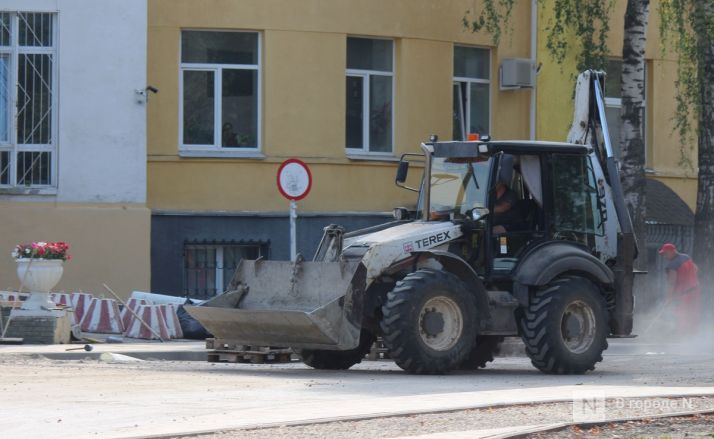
x=575 y=196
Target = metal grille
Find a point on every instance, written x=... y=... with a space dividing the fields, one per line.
x=679 y=235
x=209 y=268
x=4 y=98
x=35 y=29
x=4 y=167
x=5 y=29
x=27 y=99
x=33 y=168
x=34 y=109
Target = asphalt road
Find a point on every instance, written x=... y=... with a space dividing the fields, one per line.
x=88 y=398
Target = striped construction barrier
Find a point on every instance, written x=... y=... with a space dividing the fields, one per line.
x=80 y=303
x=64 y=299
x=132 y=304
x=172 y=320
x=151 y=314
x=102 y=316
x=12 y=296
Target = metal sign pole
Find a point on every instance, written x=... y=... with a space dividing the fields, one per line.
x=293 y=230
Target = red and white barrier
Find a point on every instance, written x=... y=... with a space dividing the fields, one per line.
x=11 y=296
x=64 y=299
x=172 y=320
x=80 y=303
x=151 y=314
x=133 y=304
x=103 y=317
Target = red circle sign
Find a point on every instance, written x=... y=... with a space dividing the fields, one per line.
x=294 y=179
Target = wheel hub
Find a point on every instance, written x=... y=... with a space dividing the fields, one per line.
x=433 y=323
x=578 y=326
x=573 y=326
x=441 y=323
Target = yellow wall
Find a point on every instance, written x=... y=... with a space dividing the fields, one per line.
x=555 y=85
x=303 y=97
x=108 y=244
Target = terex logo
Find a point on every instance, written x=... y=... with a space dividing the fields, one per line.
x=432 y=240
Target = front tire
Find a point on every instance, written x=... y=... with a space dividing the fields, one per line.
x=429 y=322
x=565 y=326
x=338 y=360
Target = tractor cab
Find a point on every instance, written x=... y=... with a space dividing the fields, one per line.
x=509 y=197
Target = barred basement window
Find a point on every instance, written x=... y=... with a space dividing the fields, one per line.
x=28 y=147
x=208 y=269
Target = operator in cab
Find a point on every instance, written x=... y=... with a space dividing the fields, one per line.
x=504 y=211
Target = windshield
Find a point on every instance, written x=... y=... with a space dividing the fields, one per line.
x=457 y=185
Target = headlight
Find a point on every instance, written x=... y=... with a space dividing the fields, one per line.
x=400 y=213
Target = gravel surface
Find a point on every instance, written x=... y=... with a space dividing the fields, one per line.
x=465 y=420
x=698 y=426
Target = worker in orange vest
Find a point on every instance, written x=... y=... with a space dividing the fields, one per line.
x=683 y=289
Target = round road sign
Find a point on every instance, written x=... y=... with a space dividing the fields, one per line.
x=294 y=179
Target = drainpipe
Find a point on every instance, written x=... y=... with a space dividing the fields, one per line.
x=534 y=53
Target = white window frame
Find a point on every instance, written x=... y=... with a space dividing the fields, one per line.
x=11 y=146
x=458 y=80
x=217 y=150
x=366 y=75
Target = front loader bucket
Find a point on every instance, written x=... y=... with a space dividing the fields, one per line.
x=280 y=303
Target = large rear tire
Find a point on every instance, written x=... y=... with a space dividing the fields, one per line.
x=565 y=326
x=429 y=322
x=487 y=346
x=338 y=360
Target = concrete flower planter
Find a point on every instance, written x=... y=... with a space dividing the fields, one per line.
x=39 y=276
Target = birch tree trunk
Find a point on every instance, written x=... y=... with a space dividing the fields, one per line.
x=632 y=143
x=704 y=216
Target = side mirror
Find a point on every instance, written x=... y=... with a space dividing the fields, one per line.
x=402 y=172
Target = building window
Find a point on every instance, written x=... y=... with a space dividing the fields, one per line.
x=208 y=269
x=613 y=104
x=220 y=91
x=369 y=111
x=472 y=92
x=28 y=78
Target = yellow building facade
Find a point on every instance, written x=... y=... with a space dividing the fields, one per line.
x=212 y=200
x=348 y=87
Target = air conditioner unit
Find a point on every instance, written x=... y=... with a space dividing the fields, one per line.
x=517 y=73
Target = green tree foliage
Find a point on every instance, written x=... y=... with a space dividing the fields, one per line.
x=681 y=29
x=588 y=21
x=492 y=18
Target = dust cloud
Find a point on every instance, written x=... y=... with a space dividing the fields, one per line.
x=657 y=326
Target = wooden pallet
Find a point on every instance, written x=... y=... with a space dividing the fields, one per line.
x=228 y=351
